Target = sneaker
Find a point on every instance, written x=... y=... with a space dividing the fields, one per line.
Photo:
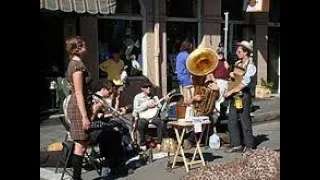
x=235 y=149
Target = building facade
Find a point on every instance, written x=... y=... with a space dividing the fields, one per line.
x=153 y=29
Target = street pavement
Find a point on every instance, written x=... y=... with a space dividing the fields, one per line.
x=267 y=135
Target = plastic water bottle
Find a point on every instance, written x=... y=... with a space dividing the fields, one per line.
x=214 y=141
x=189 y=112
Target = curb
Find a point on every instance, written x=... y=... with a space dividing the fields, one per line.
x=267 y=116
x=260 y=117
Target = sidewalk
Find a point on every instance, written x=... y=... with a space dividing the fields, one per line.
x=51 y=130
x=267 y=135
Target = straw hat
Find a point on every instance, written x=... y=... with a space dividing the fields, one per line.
x=246 y=44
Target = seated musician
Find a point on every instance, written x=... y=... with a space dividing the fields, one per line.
x=142 y=103
x=112 y=132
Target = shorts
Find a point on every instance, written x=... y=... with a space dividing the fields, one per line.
x=187 y=91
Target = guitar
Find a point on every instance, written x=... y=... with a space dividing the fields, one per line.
x=106 y=107
x=152 y=113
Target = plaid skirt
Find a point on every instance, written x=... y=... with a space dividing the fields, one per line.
x=75 y=117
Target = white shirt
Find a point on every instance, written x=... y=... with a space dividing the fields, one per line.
x=250 y=72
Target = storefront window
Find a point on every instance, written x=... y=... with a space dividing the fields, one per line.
x=125 y=36
x=174 y=8
x=177 y=32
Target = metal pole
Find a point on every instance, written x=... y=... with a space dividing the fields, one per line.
x=225 y=43
x=199 y=23
x=279 y=76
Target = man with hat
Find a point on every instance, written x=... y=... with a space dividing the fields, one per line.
x=141 y=103
x=241 y=101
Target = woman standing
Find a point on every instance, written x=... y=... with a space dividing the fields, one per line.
x=79 y=109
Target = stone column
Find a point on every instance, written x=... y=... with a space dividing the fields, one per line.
x=148 y=42
x=211 y=23
x=261 y=44
x=89 y=30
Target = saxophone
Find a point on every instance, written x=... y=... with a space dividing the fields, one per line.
x=200 y=63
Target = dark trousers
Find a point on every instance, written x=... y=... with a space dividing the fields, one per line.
x=143 y=126
x=110 y=144
x=245 y=120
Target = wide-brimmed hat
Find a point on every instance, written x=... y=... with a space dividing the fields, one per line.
x=246 y=44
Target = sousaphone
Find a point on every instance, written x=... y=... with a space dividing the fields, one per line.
x=200 y=63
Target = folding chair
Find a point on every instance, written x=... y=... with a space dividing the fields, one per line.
x=68 y=147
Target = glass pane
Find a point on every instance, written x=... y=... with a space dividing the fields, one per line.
x=174 y=8
x=124 y=36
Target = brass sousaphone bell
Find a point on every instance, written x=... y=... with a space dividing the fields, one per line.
x=202 y=61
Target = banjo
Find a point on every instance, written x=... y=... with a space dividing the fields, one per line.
x=152 y=113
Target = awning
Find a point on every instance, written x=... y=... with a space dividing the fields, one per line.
x=80 y=6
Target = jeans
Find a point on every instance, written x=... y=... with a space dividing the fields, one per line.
x=143 y=126
x=246 y=123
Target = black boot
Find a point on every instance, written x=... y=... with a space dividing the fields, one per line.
x=77 y=166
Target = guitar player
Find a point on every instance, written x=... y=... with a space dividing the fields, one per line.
x=111 y=141
x=143 y=102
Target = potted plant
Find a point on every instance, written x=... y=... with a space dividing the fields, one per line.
x=264 y=89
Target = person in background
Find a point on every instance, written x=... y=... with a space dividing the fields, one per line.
x=114 y=68
x=220 y=77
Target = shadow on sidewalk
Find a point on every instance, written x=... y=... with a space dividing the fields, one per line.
x=260 y=138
